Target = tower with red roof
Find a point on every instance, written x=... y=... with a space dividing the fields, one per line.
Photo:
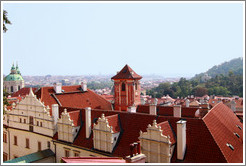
x=126 y=89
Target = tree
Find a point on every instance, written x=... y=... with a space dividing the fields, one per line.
x=200 y=91
x=5 y=20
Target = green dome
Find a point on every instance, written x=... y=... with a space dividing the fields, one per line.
x=13 y=77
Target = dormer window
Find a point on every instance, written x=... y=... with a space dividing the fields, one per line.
x=123 y=87
x=230 y=146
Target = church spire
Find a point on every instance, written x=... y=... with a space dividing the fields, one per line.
x=13 y=69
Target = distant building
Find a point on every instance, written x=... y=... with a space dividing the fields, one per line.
x=14 y=81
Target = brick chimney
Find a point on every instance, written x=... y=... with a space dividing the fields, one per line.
x=136 y=155
x=87 y=121
x=177 y=111
x=203 y=109
x=55 y=113
x=84 y=86
x=181 y=139
x=58 y=87
x=131 y=109
x=187 y=103
x=233 y=105
x=152 y=109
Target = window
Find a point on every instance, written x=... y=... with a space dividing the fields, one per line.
x=76 y=154
x=27 y=143
x=19 y=87
x=39 y=146
x=20 y=120
x=12 y=89
x=123 y=87
x=5 y=156
x=24 y=120
x=5 y=137
x=15 y=156
x=41 y=124
x=48 y=144
x=66 y=153
x=15 y=140
x=37 y=123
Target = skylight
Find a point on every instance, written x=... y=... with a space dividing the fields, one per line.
x=239 y=127
x=230 y=146
x=236 y=134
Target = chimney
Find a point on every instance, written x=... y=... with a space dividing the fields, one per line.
x=233 y=105
x=204 y=109
x=55 y=113
x=152 y=109
x=84 y=86
x=136 y=156
x=187 y=103
x=131 y=109
x=88 y=121
x=177 y=111
x=142 y=101
x=58 y=87
x=181 y=139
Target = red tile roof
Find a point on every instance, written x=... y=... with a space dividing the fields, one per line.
x=165 y=110
x=127 y=73
x=167 y=131
x=14 y=99
x=221 y=122
x=23 y=92
x=188 y=111
x=143 y=109
x=75 y=116
x=93 y=160
x=73 y=97
x=202 y=144
x=113 y=120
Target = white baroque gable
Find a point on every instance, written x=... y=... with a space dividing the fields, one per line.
x=103 y=136
x=31 y=114
x=66 y=129
x=154 y=132
x=156 y=146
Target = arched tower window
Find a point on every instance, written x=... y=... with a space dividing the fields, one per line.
x=19 y=87
x=123 y=87
x=12 y=89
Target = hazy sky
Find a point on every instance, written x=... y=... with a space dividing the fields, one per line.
x=168 y=39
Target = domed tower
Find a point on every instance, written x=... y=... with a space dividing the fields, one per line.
x=14 y=81
x=126 y=89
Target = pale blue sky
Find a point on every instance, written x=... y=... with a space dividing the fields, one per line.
x=168 y=39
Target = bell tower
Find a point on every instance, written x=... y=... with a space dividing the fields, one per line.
x=126 y=89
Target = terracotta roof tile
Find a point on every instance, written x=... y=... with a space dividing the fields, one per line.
x=113 y=120
x=23 y=92
x=126 y=73
x=75 y=116
x=72 y=97
x=221 y=122
x=167 y=131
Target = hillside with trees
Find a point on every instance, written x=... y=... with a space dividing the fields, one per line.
x=226 y=80
x=234 y=65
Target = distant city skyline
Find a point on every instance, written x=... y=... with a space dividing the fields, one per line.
x=166 y=39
